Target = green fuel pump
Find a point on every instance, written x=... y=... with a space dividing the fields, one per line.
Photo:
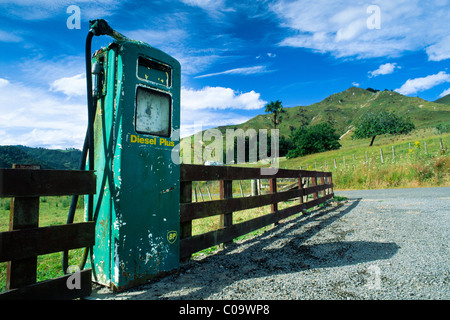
x=134 y=122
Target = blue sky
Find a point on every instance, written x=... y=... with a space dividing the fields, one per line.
x=236 y=56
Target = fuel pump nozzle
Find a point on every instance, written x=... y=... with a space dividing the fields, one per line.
x=100 y=27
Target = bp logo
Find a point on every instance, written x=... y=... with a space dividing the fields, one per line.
x=172 y=236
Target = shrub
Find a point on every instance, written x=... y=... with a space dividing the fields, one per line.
x=318 y=138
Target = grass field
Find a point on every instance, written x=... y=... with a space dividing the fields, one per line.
x=52 y=211
x=414 y=160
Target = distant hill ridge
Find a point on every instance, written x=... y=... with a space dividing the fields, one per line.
x=342 y=110
x=47 y=158
x=444 y=100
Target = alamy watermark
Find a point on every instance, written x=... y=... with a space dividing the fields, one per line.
x=74 y=20
x=250 y=146
x=74 y=280
x=374 y=280
x=374 y=21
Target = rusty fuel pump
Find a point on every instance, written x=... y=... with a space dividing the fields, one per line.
x=133 y=96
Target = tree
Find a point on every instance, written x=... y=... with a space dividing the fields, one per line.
x=318 y=138
x=276 y=109
x=383 y=122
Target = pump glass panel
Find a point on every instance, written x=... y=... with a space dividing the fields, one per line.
x=152 y=112
x=155 y=72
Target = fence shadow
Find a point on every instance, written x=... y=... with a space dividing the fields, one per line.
x=281 y=250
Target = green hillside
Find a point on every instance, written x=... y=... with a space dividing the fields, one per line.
x=47 y=158
x=444 y=100
x=344 y=109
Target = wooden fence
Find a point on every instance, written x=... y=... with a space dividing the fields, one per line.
x=25 y=241
x=320 y=186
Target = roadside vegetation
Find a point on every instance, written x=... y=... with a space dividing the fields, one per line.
x=52 y=211
x=418 y=159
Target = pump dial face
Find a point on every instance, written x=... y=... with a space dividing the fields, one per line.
x=152 y=112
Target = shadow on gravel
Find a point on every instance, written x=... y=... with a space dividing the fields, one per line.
x=281 y=250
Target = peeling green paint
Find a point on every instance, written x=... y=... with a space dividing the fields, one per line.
x=138 y=187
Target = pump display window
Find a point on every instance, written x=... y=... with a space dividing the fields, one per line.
x=153 y=110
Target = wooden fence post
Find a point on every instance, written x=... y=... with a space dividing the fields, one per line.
x=314 y=183
x=330 y=181
x=186 y=197
x=300 y=186
x=240 y=187
x=319 y=182
x=201 y=193
x=209 y=191
x=24 y=214
x=226 y=192
x=273 y=189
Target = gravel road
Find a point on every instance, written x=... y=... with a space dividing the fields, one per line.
x=379 y=244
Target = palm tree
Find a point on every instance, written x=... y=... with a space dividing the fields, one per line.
x=276 y=109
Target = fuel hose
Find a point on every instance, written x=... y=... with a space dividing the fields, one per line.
x=96 y=28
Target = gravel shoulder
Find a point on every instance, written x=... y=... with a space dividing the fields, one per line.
x=379 y=244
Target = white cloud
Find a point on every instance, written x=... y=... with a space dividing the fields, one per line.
x=204 y=4
x=215 y=106
x=176 y=42
x=384 y=69
x=9 y=37
x=40 y=71
x=443 y=94
x=70 y=86
x=34 y=117
x=440 y=50
x=241 y=71
x=219 y=98
x=215 y=8
x=193 y=122
x=3 y=82
x=44 y=9
x=340 y=27
x=413 y=86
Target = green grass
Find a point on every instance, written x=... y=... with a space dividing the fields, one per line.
x=52 y=211
x=409 y=166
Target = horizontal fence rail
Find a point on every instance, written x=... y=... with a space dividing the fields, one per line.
x=319 y=184
x=26 y=240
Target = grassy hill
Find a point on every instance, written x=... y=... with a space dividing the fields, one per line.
x=47 y=158
x=344 y=109
x=417 y=159
x=444 y=100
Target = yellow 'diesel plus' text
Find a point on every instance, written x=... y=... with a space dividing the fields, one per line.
x=151 y=141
